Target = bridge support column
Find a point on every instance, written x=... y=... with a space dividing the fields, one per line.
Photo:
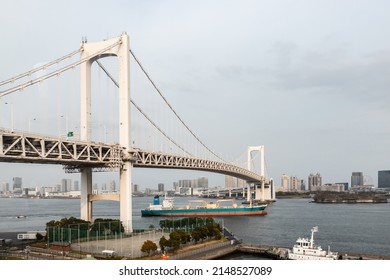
x=125 y=197
x=248 y=193
x=262 y=190
x=259 y=149
x=86 y=190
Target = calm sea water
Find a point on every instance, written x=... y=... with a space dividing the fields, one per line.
x=360 y=228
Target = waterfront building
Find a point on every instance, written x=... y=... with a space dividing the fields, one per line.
x=160 y=187
x=294 y=183
x=113 y=186
x=357 y=179
x=303 y=185
x=314 y=181
x=176 y=186
x=66 y=185
x=344 y=184
x=230 y=182
x=241 y=183
x=76 y=185
x=17 y=184
x=4 y=187
x=203 y=183
x=184 y=184
x=384 y=179
x=284 y=183
x=194 y=183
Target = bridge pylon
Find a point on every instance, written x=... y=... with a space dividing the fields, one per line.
x=259 y=149
x=118 y=47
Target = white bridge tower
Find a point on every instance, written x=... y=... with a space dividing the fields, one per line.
x=259 y=149
x=91 y=52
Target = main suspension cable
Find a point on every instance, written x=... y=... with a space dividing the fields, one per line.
x=55 y=73
x=29 y=73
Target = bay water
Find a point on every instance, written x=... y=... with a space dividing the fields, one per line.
x=355 y=228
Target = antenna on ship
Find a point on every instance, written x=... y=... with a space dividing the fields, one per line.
x=313 y=230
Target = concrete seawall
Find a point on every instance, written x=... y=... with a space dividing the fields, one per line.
x=266 y=251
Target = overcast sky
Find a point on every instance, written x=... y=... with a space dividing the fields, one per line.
x=307 y=79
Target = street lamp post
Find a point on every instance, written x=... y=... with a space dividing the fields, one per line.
x=12 y=114
x=66 y=125
x=29 y=124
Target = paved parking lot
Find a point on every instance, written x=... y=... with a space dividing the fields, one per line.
x=126 y=246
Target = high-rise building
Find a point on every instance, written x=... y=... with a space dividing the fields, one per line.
x=314 y=181
x=203 y=183
x=17 y=184
x=241 y=183
x=294 y=183
x=284 y=183
x=4 y=187
x=194 y=183
x=66 y=185
x=161 y=187
x=303 y=185
x=384 y=179
x=113 y=186
x=357 y=179
x=184 y=183
x=76 y=185
x=176 y=186
x=230 y=182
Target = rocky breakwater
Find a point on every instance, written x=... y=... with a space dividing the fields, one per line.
x=344 y=197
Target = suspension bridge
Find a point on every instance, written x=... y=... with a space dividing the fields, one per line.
x=82 y=153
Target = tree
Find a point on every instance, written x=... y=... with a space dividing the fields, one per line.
x=180 y=235
x=164 y=243
x=107 y=226
x=196 y=234
x=175 y=244
x=67 y=229
x=148 y=247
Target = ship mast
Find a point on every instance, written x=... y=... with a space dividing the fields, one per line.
x=313 y=230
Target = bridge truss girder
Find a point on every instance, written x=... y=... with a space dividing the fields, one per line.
x=148 y=159
x=75 y=155
x=32 y=148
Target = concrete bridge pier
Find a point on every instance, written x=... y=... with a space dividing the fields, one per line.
x=86 y=191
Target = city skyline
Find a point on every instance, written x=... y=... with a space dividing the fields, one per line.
x=287 y=182
x=306 y=80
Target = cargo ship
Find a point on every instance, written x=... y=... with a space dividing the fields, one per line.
x=196 y=208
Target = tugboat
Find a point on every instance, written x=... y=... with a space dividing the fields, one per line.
x=305 y=249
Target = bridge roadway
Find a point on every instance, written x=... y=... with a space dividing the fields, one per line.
x=74 y=155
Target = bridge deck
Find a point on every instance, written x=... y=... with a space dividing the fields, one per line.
x=22 y=147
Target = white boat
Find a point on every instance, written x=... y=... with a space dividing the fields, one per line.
x=305 y=249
